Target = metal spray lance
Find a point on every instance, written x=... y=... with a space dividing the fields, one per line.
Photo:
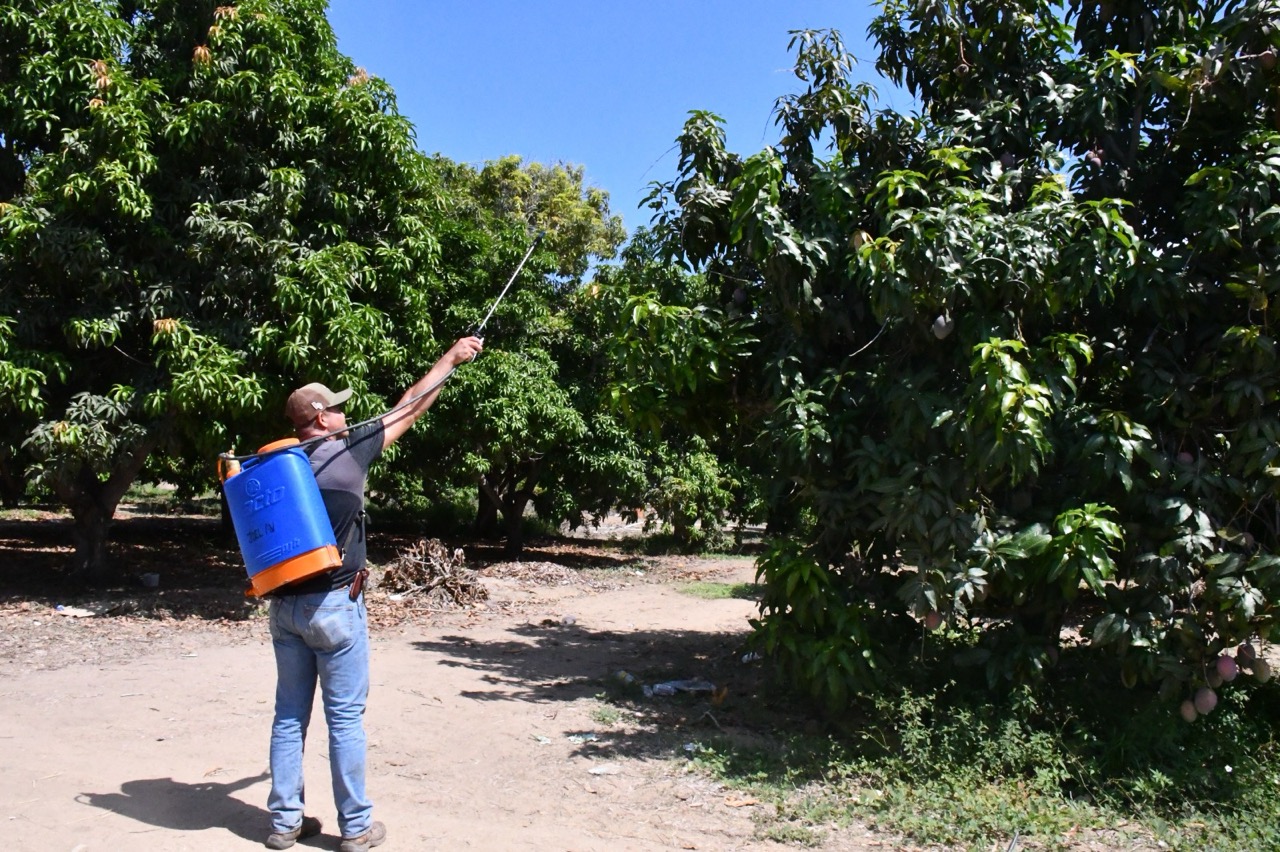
x=479 y=332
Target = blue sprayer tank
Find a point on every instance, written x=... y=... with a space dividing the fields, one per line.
x=280 y=520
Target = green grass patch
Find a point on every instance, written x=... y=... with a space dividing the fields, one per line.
x=951 y=766
x=660 y=542
x=32 y=513
x=146 y=498
x=721 y=591
x=606 y=714
x=149 y=492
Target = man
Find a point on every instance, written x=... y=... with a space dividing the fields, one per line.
x=319 y=626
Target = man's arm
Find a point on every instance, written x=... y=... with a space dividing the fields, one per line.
x=398 y=422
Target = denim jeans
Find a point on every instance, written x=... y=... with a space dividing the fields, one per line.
x=321 y=636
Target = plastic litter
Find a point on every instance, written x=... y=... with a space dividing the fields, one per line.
x=624 y=677
x=74 y=611
x=606 y=769
x=671 y=687
x=752 y=657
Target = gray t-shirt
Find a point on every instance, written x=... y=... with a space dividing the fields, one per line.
x=341 y=467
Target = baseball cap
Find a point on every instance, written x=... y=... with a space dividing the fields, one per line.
x=309 y=400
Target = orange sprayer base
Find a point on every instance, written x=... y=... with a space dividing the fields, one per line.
x=291 y=570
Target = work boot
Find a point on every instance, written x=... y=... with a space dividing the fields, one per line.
x=309 y=827
x=371 y=838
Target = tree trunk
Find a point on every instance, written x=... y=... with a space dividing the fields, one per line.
x=682 y=530
x=506 y=497
x=513 y=521
x=12 y=486
x=516 y=502
x=486 y=522
x=92 y=557
x=93 y=503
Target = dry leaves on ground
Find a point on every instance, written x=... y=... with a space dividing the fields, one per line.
x=432 y=578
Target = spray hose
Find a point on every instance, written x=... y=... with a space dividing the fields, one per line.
x=229 y=463
x=225 y=460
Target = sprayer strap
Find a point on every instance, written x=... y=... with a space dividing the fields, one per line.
x=357 y=525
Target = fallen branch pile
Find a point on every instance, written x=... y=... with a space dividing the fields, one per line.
x=432 y=575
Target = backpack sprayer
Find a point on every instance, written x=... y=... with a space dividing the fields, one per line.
x=281 y=523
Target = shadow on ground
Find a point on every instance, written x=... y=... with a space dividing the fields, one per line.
x=179 y=806
x=551 y=663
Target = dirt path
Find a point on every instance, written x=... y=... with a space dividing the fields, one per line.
x=485 y=731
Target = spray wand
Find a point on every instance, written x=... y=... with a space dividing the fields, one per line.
x=479 y=332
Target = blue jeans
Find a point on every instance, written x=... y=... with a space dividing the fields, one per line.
x=324 y=636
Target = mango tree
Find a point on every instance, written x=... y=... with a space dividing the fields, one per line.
x=677 y=363
x=1019 y=345
x=201 y=207
x=525 y=425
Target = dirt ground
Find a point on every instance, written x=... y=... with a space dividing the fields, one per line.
x=138 y=717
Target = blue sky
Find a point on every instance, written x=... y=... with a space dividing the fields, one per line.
x=605 y=85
